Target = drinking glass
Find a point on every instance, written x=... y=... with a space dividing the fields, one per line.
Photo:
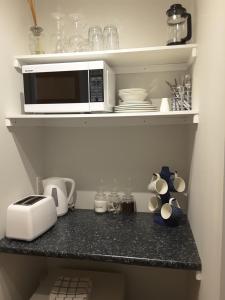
x=111 y=37
x=95 y=38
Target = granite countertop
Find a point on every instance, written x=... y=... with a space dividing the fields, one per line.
x=134 y=239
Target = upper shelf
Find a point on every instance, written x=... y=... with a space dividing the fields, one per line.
x=148 y=59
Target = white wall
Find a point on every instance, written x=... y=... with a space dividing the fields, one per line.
x=207 y=167
x=89 y=154
x=140 y=23
x=222 y=295
x=19 y=151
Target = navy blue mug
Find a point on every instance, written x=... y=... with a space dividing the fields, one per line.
x=176 y=183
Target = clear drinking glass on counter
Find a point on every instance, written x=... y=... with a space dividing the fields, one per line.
x=111 y=37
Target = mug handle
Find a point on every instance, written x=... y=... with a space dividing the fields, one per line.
x=174 y=199
x=156 y=175
x=153 y=179
x=171 y=200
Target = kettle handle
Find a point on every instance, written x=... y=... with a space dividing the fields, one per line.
x=189 y=29
x=72 y=188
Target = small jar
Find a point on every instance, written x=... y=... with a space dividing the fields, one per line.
x=114 y=203
x=128 y=204
x=36 y=40
x=100 y=206
x=100 y=203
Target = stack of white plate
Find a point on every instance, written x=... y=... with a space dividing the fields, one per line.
x=134 y=100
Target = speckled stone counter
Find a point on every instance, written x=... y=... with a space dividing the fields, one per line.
x=135 y=239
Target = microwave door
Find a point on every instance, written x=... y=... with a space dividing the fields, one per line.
x=57 y=92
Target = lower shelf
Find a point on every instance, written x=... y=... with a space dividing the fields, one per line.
x=103 y=119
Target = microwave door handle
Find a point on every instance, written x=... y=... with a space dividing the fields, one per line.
x=89 y=92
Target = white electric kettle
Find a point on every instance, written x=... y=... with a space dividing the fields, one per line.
x=56 y=187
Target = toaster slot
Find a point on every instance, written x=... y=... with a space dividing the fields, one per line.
x=30 y=200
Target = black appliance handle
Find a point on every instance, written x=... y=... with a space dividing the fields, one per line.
x=189 y=29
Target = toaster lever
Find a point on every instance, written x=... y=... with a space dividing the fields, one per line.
x=29 y=200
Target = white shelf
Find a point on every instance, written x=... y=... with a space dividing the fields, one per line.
x=149 y=59
x=102 y=120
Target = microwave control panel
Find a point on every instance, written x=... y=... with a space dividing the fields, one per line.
x=96 y=85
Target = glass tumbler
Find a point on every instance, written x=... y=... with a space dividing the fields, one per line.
x=95 y=38
x=111 y=37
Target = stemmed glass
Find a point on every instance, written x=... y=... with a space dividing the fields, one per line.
x=77 y=42
x=58 y=38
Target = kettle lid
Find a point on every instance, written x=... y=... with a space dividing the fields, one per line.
x=176 y=9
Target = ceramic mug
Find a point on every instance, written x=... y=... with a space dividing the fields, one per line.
x=165 y=106
x=158 y=185
x=154 y=204
x=171 y=212
x=176 y=183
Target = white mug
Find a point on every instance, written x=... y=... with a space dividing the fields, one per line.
x=158 y=185
x=171 y=211
x=154 y=204
x=165 y=106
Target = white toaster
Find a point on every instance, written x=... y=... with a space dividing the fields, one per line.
x=30 y=217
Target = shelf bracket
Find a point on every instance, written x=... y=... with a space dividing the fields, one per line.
x=9 y=122
x=196 y=119
x=193 y=56
x=17 y=65
x=198 y=275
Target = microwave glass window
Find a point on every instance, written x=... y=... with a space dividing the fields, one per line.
x=56 y=87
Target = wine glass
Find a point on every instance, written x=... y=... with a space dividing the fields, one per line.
x=77 y=42
x=58 y=38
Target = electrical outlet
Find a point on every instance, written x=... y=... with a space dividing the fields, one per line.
x=39 y=186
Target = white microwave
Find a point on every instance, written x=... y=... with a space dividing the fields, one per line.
x=69 y=87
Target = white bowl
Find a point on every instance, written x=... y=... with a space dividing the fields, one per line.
x=132 y=90
x=133 y=93
x=133 y=97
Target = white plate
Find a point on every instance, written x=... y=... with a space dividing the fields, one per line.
x=139 y=109
x=135 y=102
x=136 y=105
x=134 y=111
